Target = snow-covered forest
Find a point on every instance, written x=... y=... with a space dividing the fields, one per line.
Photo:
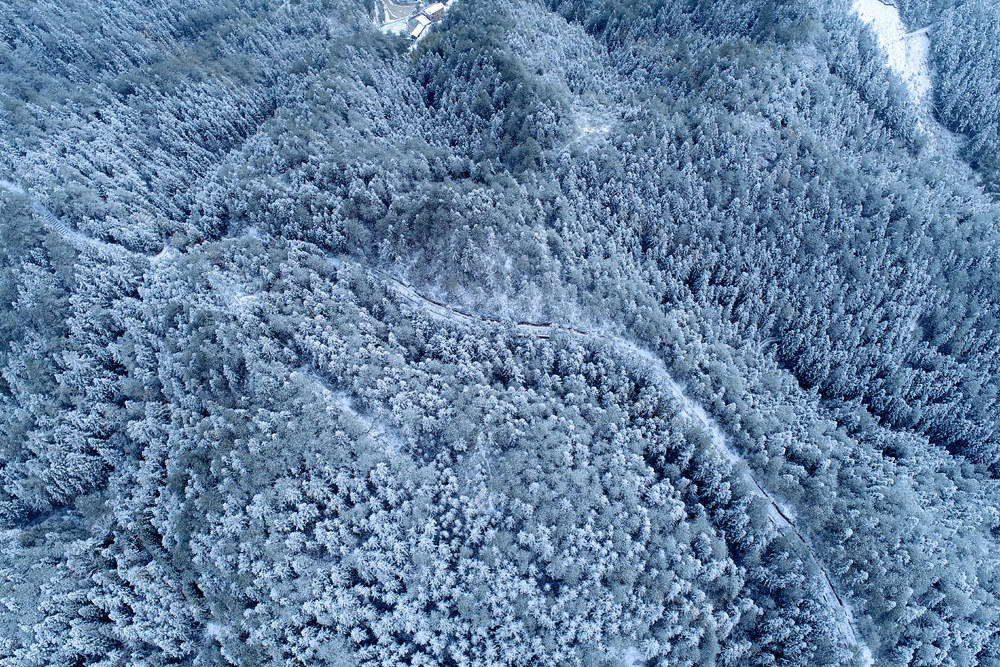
x=575 y=332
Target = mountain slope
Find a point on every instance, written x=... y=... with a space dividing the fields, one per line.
x=583 y=332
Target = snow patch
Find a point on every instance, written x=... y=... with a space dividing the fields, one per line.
x=339 y=400
x=596 y=129
x=592 y=123
x=396 y=27
x=164 y=255
x=632 y=657
x=908 y=55
x=907 y=52
x=13 y=187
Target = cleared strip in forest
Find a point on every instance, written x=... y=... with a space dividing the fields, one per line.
x=908 y=56
x=55 y=224
x=777 y=515
x=78 y=239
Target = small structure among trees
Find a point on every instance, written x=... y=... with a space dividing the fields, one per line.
x=436 y=11
x=421 y=23
x=422 y=20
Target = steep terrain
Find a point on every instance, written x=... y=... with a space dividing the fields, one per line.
x=576 y=333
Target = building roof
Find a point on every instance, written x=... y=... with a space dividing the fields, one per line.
x=437 y=7
x=415 y=33
x=422 y=21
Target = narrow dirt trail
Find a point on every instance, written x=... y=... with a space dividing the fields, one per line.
x=779 y=516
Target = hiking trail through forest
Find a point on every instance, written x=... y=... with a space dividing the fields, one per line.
x=779 y=516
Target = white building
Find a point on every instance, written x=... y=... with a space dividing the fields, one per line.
x=421 y=23
x=435 y=11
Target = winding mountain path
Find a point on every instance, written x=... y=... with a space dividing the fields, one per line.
x=781 y=517
x=48 y=217
x=79 y=240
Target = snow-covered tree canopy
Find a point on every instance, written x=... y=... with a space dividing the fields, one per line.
x=576 y=332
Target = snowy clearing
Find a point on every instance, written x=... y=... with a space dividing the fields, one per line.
x=338 y=400
x=908 y=55
x=396 y=27
x=907 y=51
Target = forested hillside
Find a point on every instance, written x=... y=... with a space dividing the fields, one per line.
x=578 y=332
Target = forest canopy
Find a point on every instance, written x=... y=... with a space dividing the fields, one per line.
x=575 y=332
